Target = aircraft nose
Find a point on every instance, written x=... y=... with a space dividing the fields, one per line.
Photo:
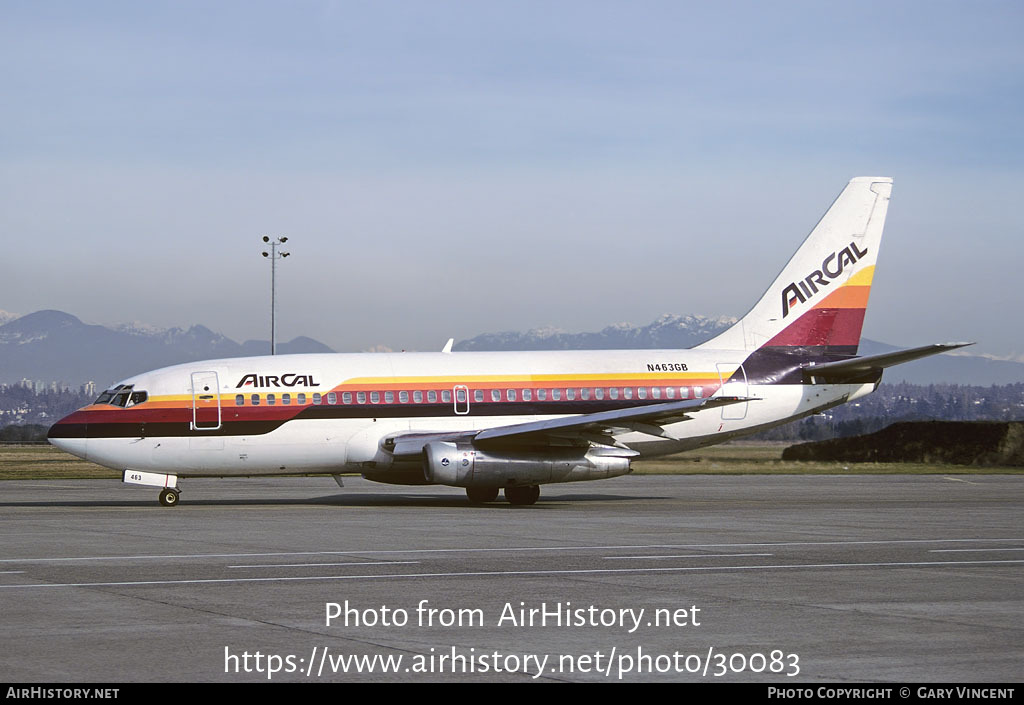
x=71 y=435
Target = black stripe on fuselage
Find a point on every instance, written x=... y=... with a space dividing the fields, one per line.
x=138 y=428
x=784 y=364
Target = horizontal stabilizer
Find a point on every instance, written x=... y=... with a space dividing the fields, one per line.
x=861 y=366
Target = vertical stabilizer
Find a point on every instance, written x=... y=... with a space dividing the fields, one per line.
x=816 y=306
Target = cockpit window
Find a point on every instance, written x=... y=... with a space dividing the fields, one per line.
x=122 y=395
x=104 y=398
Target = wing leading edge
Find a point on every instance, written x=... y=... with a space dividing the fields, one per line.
x=596 y=427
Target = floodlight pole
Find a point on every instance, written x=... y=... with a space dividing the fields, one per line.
x=273 y=256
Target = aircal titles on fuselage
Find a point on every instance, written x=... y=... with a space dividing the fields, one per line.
x=289 y=379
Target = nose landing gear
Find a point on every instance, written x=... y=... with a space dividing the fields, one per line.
x=169 y=497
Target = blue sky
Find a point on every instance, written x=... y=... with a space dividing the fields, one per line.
x=450 y=168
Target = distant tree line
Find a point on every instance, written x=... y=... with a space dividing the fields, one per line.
x=29 y=433
x=907 y=402
x=20 y=405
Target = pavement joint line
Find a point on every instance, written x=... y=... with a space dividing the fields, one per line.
x=308 y=565
x=495 y=573
x=691 y=555
x=504 y=549
x=966 y=550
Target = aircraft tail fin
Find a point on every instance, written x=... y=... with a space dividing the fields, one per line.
x=815 y=307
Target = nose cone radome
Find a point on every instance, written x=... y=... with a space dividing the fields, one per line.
x=71 y=435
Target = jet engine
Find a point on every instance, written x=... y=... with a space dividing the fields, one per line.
x=465 y=465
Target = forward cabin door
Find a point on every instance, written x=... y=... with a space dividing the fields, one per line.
x=206 y=413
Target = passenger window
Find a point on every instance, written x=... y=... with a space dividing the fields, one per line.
x=271 y=400
x=656 y=392
x=286 y=399
x=599 y=393
x=417 y=397
x=360 y=397
x=585 y=394
x=375 y=397
x=317 y=398
x=670 y=392
x=698 y=392
x=301 y=399
x=478 y=395
x=556 y=394
x=332 y=398
x=542 y=394
x=346 y=397
x=510 y=394
x=389 y=397
x=460 y=395
x=239 y=400
x=627 y=393
x=446 y=396
x=641 y=392
x=403 y=397
x=255 y=398
x=432 y=396
x=570 y=394
x=495 y=395
x=527 y=395
x=684 y=392
x=613 y=393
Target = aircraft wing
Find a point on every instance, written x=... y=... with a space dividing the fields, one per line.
x=596 y=427
x=860 y=366
x=647 y=419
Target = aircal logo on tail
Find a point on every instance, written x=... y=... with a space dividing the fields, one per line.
x=831 y=268
x=285 y=380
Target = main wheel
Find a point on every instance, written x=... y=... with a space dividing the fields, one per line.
x=481 y=495
x=169 y=497
x=524 y=495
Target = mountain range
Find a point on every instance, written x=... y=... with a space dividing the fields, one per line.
x=53 y=345
x=56 y=346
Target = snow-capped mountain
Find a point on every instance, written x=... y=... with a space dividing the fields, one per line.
x=56 y=346
x=668 y=331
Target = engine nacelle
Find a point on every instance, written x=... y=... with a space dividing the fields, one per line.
x=465 y=465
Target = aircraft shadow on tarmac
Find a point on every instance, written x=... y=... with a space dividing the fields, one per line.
x=339 y=500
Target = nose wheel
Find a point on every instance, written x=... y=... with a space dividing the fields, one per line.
x=169 y=497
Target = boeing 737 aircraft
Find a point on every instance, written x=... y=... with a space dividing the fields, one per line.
x=509 y=421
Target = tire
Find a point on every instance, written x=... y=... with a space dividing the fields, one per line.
x=481 y=495
x=169 y=498
x=522 y=496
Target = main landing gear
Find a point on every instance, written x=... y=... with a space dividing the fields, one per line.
x=521 y=495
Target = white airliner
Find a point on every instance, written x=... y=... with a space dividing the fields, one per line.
x=511 y=421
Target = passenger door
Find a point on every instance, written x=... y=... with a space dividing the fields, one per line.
x=206 y=413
